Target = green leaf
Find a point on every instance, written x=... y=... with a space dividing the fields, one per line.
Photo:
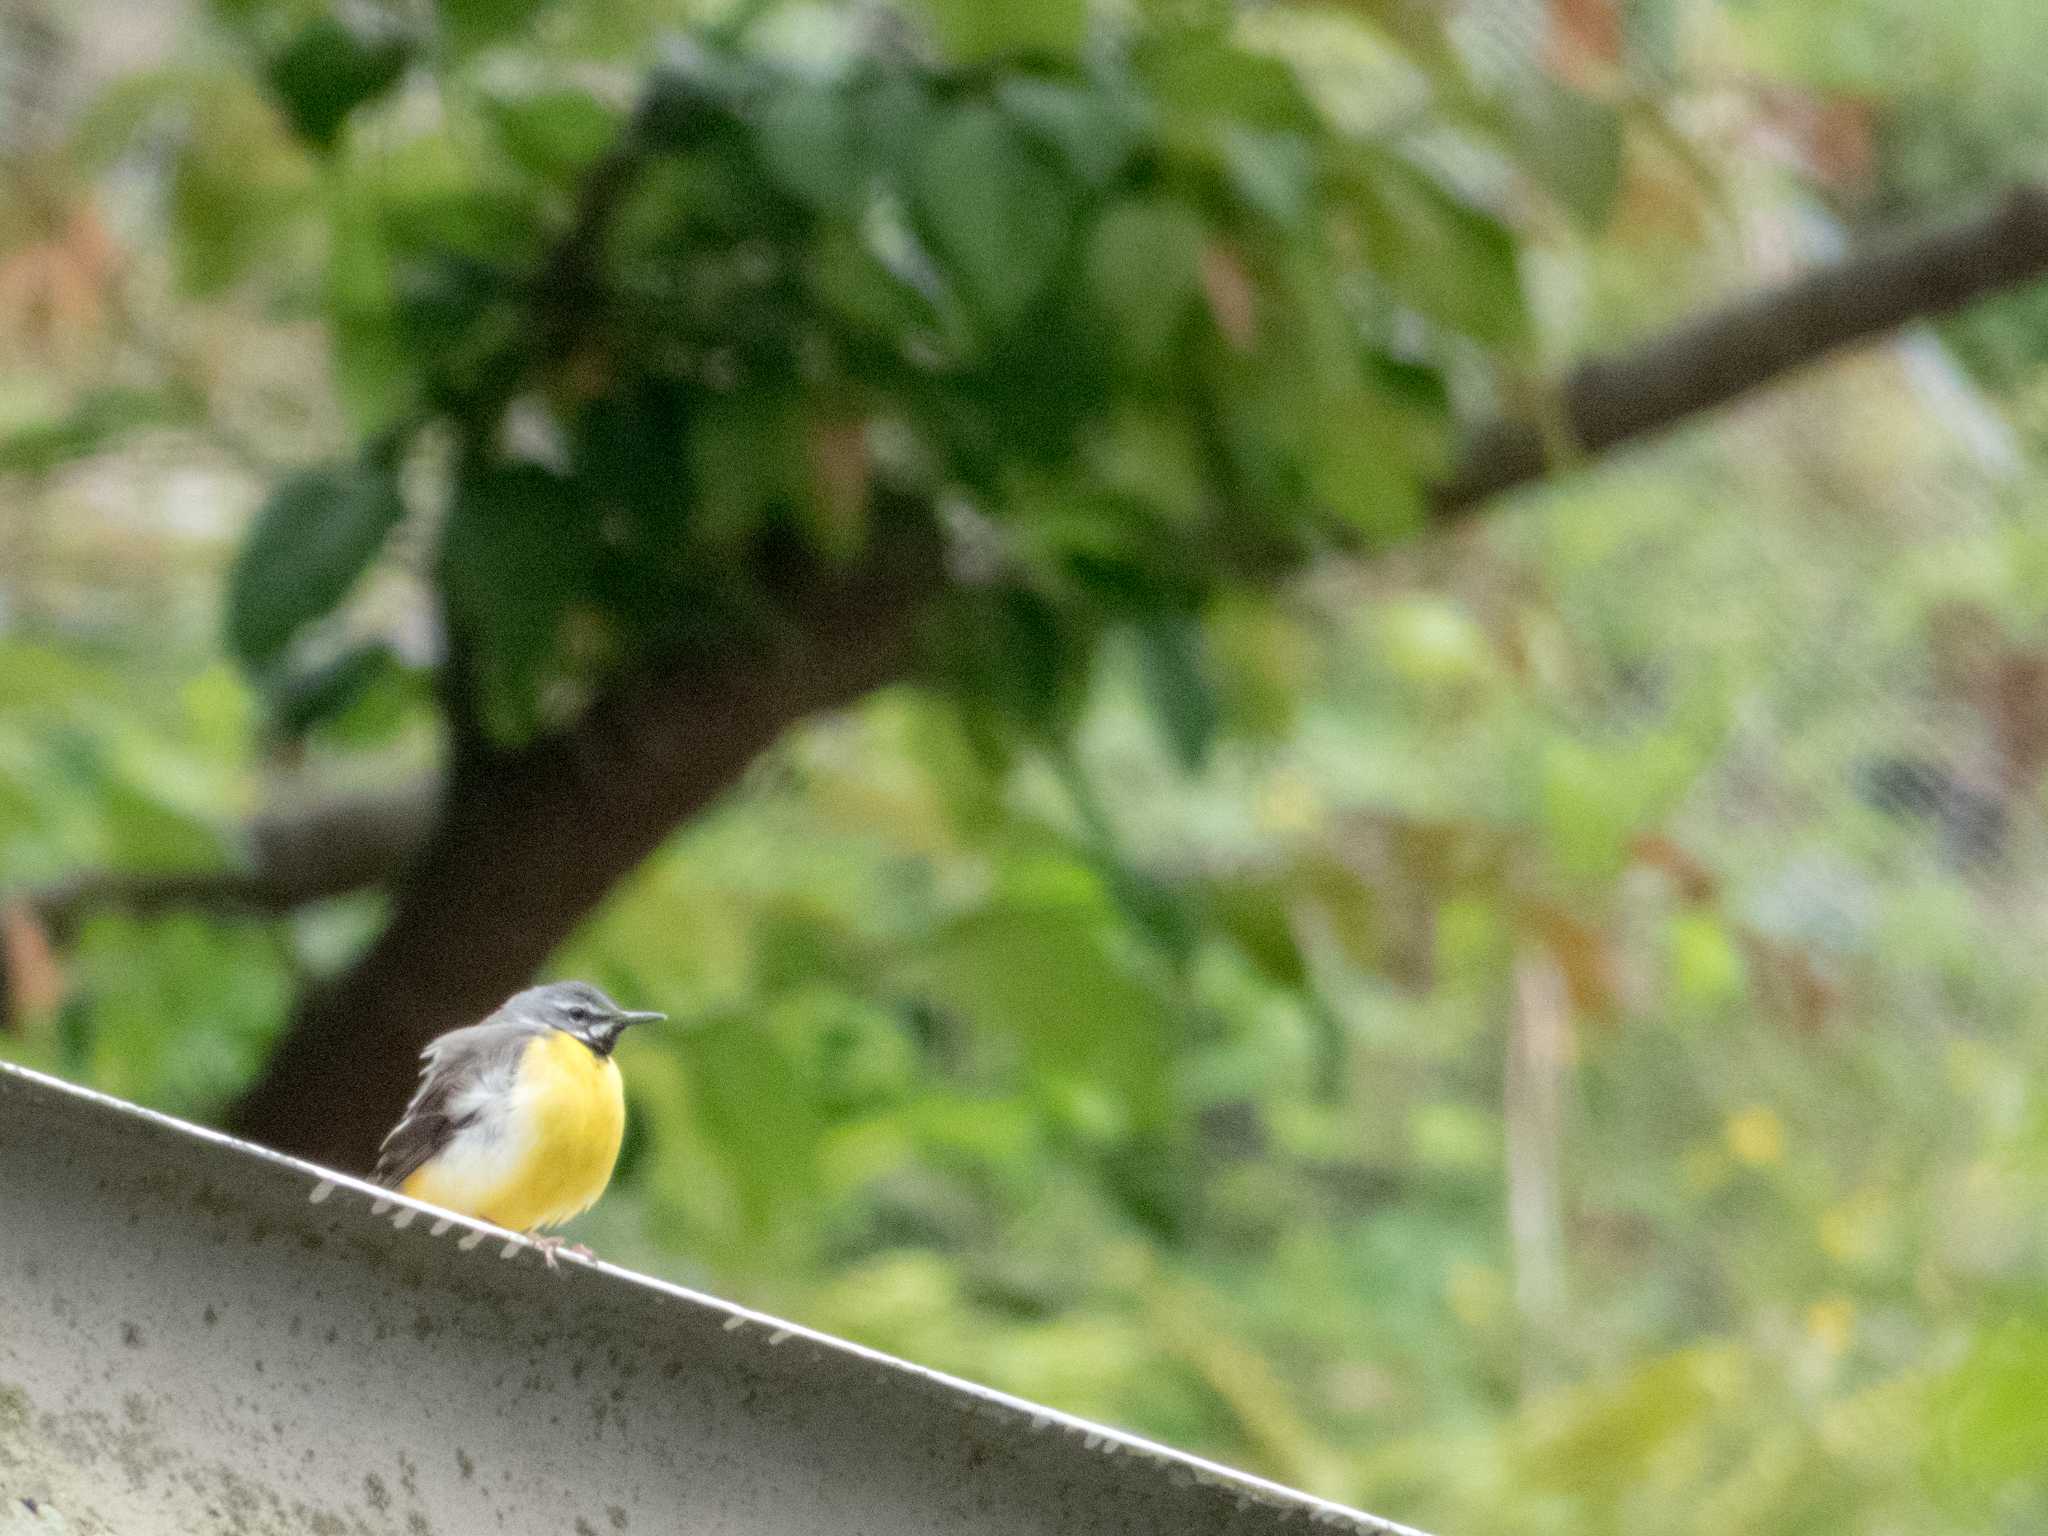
x=975 y=31
x=899 y=117
x=318 y=532
x=458 y=316
x=471 y=24
x=1015 y=660
x=1048 y=977
x=37 y=677
x=328 y=70
x=1174 y=667
x=1144 y=268
x=182 y=1009
x=147 y=832
x=1152 y=455
x=1708 y=967
x=1612 y=1427
x=1274 y=173
x=754 y=1106
x=239 y=180
x=519 y=548
x=480 y=232
x=1263 y=662
x=1987 y=1417
x=855 y=285
x=1204 y=84
x=811 y=143
x=432 y=196
x=426 y=243
x=375 y=373
x=696 y=93
x=554 y=134
x=997 y=213
x=747 y=456
x=374 y=370
x=1573 y=144
x=363 y=696
x=1264 y=416
x=1444 y=257
x=1595 y=798
x=1359 y=470
x=1094 y=132
x=109 y=119
x=1255 y=914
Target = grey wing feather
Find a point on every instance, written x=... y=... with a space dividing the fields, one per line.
x=446 y=1102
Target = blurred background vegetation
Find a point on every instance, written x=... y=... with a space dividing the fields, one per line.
x=1536 y=1026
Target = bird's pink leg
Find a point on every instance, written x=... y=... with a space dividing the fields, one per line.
x=550 y=1245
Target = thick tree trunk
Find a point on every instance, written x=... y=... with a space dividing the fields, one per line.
x=530 y=841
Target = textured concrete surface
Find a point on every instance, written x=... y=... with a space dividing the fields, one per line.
x=191 y=1342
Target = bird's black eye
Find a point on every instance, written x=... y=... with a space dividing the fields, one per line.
x=577 y=1013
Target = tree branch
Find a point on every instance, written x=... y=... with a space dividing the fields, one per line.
x=291 y=858
x=1732 y=352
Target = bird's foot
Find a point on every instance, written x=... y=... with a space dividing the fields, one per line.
x=550 y=1246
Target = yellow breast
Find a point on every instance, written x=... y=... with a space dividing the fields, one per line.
x=560 y=1140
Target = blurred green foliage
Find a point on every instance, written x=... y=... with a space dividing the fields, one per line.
x=1535 y=1032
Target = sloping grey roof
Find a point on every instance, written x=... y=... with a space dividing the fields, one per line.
x=190 y=1343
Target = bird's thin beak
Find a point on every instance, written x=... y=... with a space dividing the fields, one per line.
x=629 y=1017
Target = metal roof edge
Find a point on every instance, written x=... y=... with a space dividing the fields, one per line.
x=365 y=1202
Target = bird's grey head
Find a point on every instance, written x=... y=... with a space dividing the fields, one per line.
x=577 y=1008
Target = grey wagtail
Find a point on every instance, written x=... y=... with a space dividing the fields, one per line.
x=517 y=1120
